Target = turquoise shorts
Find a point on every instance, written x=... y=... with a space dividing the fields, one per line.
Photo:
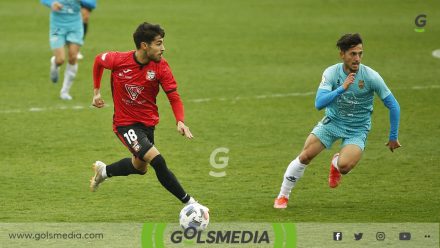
x=328 y=132
x=60 y=36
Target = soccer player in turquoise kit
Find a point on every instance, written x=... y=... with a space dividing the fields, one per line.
x=66 y=28
x=346 y=92
x=86 y=9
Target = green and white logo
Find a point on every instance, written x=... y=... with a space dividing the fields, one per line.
x=277 y=235
x=420 y=22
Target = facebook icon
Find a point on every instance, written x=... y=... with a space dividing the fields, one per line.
x=337 y=236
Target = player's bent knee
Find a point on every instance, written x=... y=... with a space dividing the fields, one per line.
x=139 y=165
x=143 y=172
x=72 y=61
x=59 y=61
x=304 y=158
x=344 y=170
x=151 y=154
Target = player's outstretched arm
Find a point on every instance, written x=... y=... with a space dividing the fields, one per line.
x=177 y=107
x=392 y=104
x=184 y=130
x=98 y=68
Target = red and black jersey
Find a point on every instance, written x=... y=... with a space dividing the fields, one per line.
x=135 y=87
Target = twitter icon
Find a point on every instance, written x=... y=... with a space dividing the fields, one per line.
x=358 y=236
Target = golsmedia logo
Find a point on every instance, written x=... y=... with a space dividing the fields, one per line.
x=222 y=237
x=225 y=234
x=420 y=22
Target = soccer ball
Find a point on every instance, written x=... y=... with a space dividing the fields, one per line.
x=194 y=215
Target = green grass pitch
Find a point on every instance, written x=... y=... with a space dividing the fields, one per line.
x=257 y=65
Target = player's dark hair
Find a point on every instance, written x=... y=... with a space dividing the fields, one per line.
x=348 y=41
x=146 y=32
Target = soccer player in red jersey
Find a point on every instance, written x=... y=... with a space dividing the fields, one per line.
x=135 y=80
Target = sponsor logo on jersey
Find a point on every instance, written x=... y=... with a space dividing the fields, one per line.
x=123 y=73
x=361 y=84
x=151 y=75
x=133 y=91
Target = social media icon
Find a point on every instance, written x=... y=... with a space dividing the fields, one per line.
x=404 y=236
x=380 y=236
x=337 y=236
x=358 y=236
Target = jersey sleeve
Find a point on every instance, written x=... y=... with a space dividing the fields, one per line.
x=328 y=79
x=176 y=106
x=47 y=3
x=169 y=86
x=394 y=107
x=379 y=85
x=90 y=4
x=102 y=61
x=166 y=79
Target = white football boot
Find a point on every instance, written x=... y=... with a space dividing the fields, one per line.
x=191 y=201
x=97 y=179
x=65 y=96
x=54 y=70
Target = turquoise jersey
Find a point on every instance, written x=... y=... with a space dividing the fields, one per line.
x=353 y=108
x=70 y=13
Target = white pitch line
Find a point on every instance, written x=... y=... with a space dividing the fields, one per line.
x=237 y=98
x=37 y=109
x=10 y=111
x=425 y=87
x=199 y=100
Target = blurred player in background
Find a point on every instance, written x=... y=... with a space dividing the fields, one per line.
x=86 y=9
x=136 y=78
x=347 y=92
x=65 y=29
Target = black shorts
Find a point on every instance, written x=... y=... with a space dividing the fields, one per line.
x=137 y=138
